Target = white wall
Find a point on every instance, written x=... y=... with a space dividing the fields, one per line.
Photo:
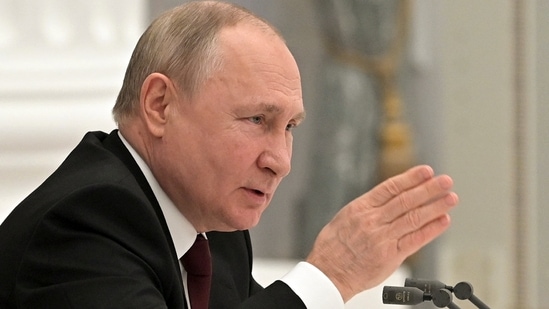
x=61 y=65
x=466 y=78
x=478 y=150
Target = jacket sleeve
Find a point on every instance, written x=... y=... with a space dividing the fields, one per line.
x=275 y=296
x=233 y=285
x=278 y=295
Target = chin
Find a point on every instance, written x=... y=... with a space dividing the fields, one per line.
x=239 y=219
x=245 y=222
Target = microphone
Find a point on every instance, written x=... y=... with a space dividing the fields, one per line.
x=396 y=295
x=464 y=290
x=443 y=298
x=416 y=291
x=427 y=286
x=441 y=293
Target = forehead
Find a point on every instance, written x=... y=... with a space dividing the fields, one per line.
x=253 y=48
x=258 y=62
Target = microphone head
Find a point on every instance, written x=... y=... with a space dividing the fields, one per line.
x=396 y=295
x=427 y=286
x=442 y=298
x=463 y=290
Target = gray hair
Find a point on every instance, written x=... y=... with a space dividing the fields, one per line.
x=181 y=44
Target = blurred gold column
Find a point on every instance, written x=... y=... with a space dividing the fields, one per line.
x=396 y=147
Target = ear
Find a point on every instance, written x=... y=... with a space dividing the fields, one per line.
x=158 y=96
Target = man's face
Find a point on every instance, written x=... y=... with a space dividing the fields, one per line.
x=227 y=149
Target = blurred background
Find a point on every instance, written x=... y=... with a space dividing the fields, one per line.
x=460 y=85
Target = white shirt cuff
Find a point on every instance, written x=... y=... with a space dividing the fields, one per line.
x=313 y=287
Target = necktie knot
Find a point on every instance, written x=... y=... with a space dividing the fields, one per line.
x=197 y=261
x=198 y=265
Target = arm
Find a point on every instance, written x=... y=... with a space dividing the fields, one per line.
x=233 y=285
x=368 y=239
x=275 y=296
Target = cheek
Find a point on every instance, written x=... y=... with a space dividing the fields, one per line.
x=239 y=148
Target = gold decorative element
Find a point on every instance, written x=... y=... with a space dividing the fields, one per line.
x=396 y=148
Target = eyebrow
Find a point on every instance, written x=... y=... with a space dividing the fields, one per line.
x=300 y=117
x=274 y=109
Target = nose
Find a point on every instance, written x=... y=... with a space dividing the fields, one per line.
x=277 y=155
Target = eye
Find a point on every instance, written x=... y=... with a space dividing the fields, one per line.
x=256 y=119
x=290 y=126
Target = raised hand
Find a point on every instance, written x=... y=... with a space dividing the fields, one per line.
x=370 y=237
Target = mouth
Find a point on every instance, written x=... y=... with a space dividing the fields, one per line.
x=257 y=192
x=257 y=195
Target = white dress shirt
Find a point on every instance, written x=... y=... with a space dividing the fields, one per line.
x=307 y=281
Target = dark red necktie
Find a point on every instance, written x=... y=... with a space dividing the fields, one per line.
x=198 y=265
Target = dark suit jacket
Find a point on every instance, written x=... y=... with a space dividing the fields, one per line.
x=93 y=236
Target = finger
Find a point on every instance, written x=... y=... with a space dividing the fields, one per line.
x=417 y=218
x=412 y=242
x=395 y=185
x=417 y=197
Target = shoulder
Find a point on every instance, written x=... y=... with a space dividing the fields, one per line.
x=99 y=240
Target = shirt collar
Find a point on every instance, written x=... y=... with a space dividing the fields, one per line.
x=181 y=230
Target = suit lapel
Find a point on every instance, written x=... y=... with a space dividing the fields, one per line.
x=114 y=144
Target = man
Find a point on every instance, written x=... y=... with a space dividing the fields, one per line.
x=205 y=118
